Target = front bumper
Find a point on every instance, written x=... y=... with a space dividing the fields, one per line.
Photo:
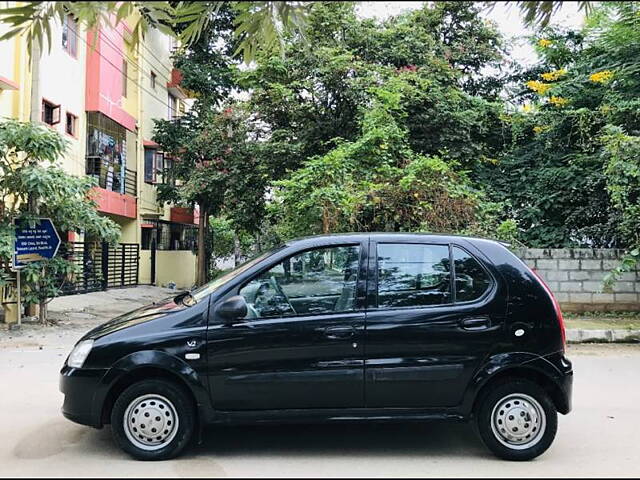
x=80 y=387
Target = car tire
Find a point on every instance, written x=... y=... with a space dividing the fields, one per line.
x=517 y=420
x=153 y=419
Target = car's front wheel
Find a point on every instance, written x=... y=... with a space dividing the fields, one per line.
x=517 y=420
x=153 y=420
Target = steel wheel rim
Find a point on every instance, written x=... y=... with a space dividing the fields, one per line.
x=518 y=421
x=150 y=422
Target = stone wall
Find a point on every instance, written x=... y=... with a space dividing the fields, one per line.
x=575 y=276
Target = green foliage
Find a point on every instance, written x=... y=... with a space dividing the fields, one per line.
x=622 y=167
x=218 y=168
x=224 y=235
x=315 y=95
x=44 y=280
x=553 y=171
x=32 y=186
x=377 y=182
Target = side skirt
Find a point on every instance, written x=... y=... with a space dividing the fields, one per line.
x=334 y=415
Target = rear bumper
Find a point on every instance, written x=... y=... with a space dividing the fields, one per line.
x=79 y=387
x=564 y=380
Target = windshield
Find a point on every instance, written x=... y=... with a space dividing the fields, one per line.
x=212 y=286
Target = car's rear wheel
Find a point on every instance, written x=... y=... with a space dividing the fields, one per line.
x=153 y=420
x=517 y=420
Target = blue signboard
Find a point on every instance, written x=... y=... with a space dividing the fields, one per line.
x=38 y=241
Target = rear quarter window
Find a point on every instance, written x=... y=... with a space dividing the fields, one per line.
x=472 y=280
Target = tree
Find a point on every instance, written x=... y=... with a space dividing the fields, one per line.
x=377 y=182
x=552 y=169
x=257 y=23
x=315 y=95
x=622 y=153
x=215 y=168
x=32 y=186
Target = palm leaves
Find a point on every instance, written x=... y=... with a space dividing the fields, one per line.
x=258 y=24
x=539 y=13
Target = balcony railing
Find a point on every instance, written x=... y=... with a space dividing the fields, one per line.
x=112 y=177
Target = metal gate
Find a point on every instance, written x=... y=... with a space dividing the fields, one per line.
x=101 y=266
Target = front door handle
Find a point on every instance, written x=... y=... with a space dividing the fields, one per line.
x=339 y=332
x=476 y=323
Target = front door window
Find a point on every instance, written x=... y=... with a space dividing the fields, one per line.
x=317 y=281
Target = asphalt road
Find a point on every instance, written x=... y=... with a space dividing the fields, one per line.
x=599 y=438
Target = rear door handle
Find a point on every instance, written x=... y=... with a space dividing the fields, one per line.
x=476 y=323
x=339 y=332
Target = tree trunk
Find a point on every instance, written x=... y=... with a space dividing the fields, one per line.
x=258 y=242
x=201 y=277
x=42 y=311
x=325 y=221
x=237 y=254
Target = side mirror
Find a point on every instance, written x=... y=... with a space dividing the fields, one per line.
x=185 y=298
x=233 y=308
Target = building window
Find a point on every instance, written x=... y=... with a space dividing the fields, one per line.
x=71 y=126
x=125 y=68
x=153 y=80
x=153 y=165
x=173 y=107
x=170 y=236
x=107 y=154
x=50 y=113
x=70 y=36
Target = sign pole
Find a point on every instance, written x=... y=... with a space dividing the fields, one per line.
x=18 y=297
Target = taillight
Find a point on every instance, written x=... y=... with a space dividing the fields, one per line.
x=556 y=307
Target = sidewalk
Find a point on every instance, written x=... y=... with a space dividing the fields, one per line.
x=623 y=327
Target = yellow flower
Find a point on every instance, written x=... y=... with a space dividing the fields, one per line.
x=558 y=101
x=544 y=43
x=554 y=75
x=540 y=88
x=601 y=77
x=540 y=128
x=527 y=108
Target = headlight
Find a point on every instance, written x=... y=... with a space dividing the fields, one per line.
x=79 y=354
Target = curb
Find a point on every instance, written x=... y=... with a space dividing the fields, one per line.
x=603 y=336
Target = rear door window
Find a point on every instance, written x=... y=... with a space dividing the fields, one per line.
x=413 y=275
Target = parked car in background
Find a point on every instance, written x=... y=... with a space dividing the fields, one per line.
x=346 y=327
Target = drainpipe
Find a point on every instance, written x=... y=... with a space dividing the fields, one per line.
x=36 y=103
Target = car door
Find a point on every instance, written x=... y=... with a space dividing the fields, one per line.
x=429 y=326
x=300 y=345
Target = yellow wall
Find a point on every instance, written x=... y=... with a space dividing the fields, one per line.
x=144 y=267
x=175 y=266
x=129 y=231
x=14 y=66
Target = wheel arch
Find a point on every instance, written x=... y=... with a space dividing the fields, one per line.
x=516 y=365
x=522 y=372
x=152 y=364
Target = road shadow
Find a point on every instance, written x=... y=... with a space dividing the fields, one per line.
x=432 y=439
x=426 y=440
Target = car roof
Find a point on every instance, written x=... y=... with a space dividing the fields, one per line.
x=386 y=236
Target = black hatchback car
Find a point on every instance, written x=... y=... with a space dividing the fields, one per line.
x=335 y=328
